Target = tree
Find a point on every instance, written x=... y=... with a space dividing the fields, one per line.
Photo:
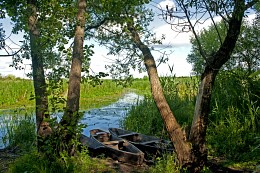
x=36 y=21
x=71 y=115
x=192 y=153
x=40 y=87
x=28 y=15
x=232 y=13
x=244 y=56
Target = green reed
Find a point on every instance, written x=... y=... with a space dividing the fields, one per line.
x=20 y=129
x=180 y=95
x=15 y=93
x=233 y=131
x=99 y=95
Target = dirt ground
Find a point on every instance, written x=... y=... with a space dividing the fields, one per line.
x=125 y=167
x=6 y=157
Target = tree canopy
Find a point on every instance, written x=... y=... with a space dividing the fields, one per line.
x=245 y=55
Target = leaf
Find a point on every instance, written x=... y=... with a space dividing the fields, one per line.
x=254 y=74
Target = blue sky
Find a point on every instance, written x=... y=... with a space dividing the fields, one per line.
x=177 y=43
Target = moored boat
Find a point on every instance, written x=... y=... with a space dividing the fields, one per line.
x=150 y=145
x=117 y=148
x=94 y=147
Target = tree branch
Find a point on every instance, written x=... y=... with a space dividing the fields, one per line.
x=12 y=54
x=250 y=4
x=96 y=25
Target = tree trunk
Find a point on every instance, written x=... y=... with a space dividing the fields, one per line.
x=182 y=147
x=202 y=107
x=200 y=120
x=39 y=82
x=71 y=117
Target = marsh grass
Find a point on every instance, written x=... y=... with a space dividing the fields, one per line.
x=145 y=117
x=100 y=95
x=15 y=93
x=233 y=132
x=20 y=129
x=166 y=164
x=235 y=117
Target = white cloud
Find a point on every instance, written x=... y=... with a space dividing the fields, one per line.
x=173 y=38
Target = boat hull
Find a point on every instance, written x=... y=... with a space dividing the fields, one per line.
x=117 y=148
x=150 y=145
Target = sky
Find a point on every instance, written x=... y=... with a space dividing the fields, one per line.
x=177 y=43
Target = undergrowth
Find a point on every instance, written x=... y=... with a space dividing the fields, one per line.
x=37 y=163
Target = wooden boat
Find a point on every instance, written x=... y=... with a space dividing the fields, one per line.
x=150 y=145
x=117 y=148
x=94 y=147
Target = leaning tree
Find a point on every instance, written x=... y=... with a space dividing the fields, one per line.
x=127 y=33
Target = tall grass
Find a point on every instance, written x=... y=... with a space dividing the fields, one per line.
x=235 y=117
x=19 y=128
x=145 y=117
x=233 y=132
x=15 y=93
x=99 y=95
x=18 y=93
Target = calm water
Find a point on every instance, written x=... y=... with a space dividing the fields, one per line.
x=111 y=115
x=103 y=118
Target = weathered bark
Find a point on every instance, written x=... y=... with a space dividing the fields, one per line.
x=182 y=147
x=71 y=117
x=38 y=72
x=199 y=125
x=202 y=108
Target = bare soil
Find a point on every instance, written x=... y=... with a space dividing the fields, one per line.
x=125 y=167
x=7 y=157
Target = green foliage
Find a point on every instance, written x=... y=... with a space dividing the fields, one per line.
x=210 y=43
x=235 y=117
x=180 y=94
x=37 y=163
x=167 y=164
x=245 y=55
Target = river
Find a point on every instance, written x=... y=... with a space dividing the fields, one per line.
x=103 y=118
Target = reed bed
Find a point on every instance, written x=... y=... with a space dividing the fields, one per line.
x=15 y=93
x=233 y=133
